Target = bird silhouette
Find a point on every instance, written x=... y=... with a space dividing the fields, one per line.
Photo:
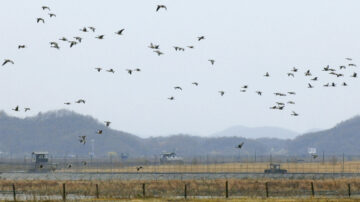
x=120 y=32
x=26 y=109
x=310 y=86
x=100 y=37
x=107 y=123
x=152 y=46
x=291 y=74
x=63 y=39
x=92 y=28
x=195 y=83
x=190 y=47
x=80 y=101
x=342 y=67
x=239 y=146
x=82 y=139
x=79 y=39
x=344 y=84
x=98 y=69
x=308 y=73
x=291 y=102
x=129 y=71
x=84 y=29
x=54 y=45
x=158 y=52
x=21 y=46
x=201 y=38
x=294 y=114
x=52 y=15
x=292 y=93
x=45 y=8
x=177 y=88
x=294 y=69
x=222 y=93
x=7 y=61
x=139 y=168
x=314 y=79
x=354 y=75
x=16 y=108
x=314 y=156
x=160 y=6
x=348 y=59
x=352 y=65
x=259 y=93
x=99 y=132
x=72 y=43
x=111 y=71
x=267 y=74
x=67 y=103
x=171 y=98
x=40 y=20
x=212 y=61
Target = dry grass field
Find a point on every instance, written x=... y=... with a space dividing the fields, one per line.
x=304 y=167
x=174 y=189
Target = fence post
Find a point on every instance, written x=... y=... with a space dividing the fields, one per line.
x=267 y=189
x=227 y=189
x=97 y=191
x=64 y=192
x=14 y=192
x=349 y=190
x=185 y=192
x=143 y=188
x=312 y=189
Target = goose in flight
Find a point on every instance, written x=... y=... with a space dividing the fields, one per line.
x=291 y=74
x=344 y=84
x=52 y=15
x=280 y=94
x=21 y=46
x=195 y=83
x=201 y=38
x=84 y=29
x=294 y=69
x=327 y=85
x=16 y=108
x=40 y=20
x=98 y=69
x=291 y=102
x=158 y=52
x=92 y=28
x=308 y=73
x=69 y=165
x=177 y=48
x=327 y=68
x=310 y=86
x=80 y=101
x=129 y=71
x=239 y=146
x=111 y=71
x=259 y=93
x=159 y=7
x=267 y=74
x=291 y=93
x=120 y=32
x=139 y=168
x=63 y=39
x=333 y=84
x=342 y=67
x=82 y=139
x=27 y=109
x=192 y=47
x=67 y=103
x=100 y=37
x=212 y=61
x=107 y=123
x=222 y=93
x=152 y=46
x=7 y=61
x=78 y=39
x=243 y=91
x=354 y=75
x=314 y=156
x=54 y=45
x=177 y=88
x=349 y=59
x=314 y=79
x=73 y=43
x=352 y=65
x=171 y=98
x=245 y=87
x=99 y=132
x=45 y=8
x=280 y=103
x=273 y=107
x=137 y=69
x=294 y=114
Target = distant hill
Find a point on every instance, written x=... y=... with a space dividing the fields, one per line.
x=58 y=131
x=256 y=132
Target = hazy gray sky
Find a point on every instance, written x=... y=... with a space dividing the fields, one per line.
x=246 y=38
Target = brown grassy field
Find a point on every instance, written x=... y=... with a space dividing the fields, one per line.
x=314 y=167
x=170 y=189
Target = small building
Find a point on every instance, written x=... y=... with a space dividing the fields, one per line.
x=41 y=160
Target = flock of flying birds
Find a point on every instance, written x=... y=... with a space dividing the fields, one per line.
x=76 y=40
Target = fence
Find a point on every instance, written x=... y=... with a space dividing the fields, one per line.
x=208 y=164
x=26 y=190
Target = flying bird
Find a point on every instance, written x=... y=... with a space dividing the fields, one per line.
x=294 y=114
x=67 y=103
x=201 y=38
x=344 y=84
x=100 y=37
x=159 y=7
x=158 y=52
x=177 y=88
x=120 y=32
x=171 y=98
x=352 y=65
x=92 y=29
x=40 y=20
x=45 y=8
x=212 y=61
x=354 y=75
x=51 y=15
x=190 y=47
x=291 y=74
x=98 y=69
x=7 y=61
x=314 y=79
x=82 y=139
x=307 y=73
x=80 y=101
x=195 y=83
x=259 y=93
x=54 y=45
x=267 y=74
x=21 y=46
x=139 y=168
x=99 y=132
x=84 y=29
x=348 y=59
x=78 y=39
x=294 y=69
x=72 y=43
x=239 y=146
x=107 y=123
x=27 y=109
x=129 y=71
x=63 y=39
x=111 y=71
x=222 y=93
x=314 y=156
x=16 y=109
x=310 y=86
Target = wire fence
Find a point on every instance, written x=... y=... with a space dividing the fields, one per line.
x=207 y=164
x=50 y=190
